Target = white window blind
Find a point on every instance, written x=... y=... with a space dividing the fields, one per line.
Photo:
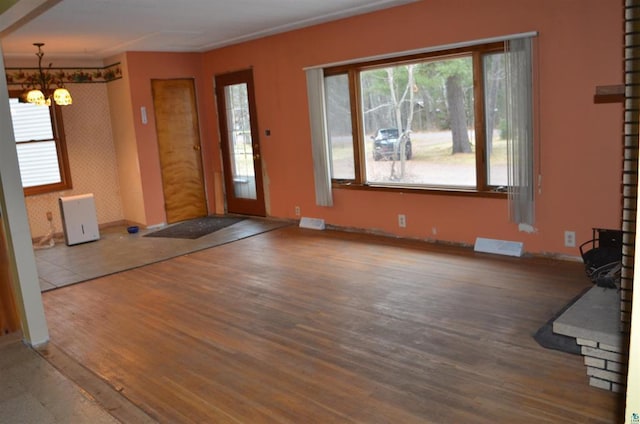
x=36 y=147
x=319 y=143
x=519 y=77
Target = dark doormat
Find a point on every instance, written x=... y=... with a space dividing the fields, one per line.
x=550 y=340
x=195 y=228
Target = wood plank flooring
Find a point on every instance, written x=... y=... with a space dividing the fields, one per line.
x=301 y=326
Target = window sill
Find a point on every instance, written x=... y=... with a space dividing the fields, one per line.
x=47 y=188
x=448 y=191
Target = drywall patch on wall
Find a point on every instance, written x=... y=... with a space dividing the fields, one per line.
x=526 y=228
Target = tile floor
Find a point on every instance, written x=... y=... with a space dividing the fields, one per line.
x=118 y=250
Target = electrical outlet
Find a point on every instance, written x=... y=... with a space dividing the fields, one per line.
x=402 y=221
x=297 y=210
x=570 y=239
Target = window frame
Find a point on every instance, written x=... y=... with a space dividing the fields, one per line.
x=57 y=127
x=352 y=70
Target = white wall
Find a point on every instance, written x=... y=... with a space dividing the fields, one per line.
x=632 y=413
x=14 y=217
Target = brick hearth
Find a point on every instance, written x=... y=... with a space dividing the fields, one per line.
x=594 y=321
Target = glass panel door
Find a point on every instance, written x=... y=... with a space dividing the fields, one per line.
x=240 y=143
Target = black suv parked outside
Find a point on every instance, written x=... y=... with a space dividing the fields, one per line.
x=384 y=144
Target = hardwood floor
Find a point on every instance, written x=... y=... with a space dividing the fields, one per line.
x=301 y=326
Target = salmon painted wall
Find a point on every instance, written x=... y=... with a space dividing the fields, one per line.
x=142 y=67
x=578 y=48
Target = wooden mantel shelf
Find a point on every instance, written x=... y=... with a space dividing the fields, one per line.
x=609 y=94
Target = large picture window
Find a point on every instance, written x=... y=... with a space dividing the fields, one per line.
x=41 y=148
x=435 y=120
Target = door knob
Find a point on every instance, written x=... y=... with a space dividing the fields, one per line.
x=196 y=147
x=256 y=156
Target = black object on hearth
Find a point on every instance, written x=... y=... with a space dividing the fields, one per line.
x=602 y=257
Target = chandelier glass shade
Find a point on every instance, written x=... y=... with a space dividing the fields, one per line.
x=62 y=96
x=36 y=96
x=40 y=91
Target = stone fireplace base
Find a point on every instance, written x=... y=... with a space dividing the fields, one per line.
x=594 y=321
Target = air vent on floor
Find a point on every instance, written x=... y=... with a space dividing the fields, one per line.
x=313 y=223
x=499 y=247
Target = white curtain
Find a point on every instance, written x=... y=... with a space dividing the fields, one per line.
x=519 y=79
x=319 y=143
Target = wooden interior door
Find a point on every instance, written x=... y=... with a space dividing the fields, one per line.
x=9 y=321
x=176 y=116
x=240 y=143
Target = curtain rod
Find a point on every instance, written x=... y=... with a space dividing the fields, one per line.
x=428 y=49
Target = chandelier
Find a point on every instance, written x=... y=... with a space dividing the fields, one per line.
x=40 y=92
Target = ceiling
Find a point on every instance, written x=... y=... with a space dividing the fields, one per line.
x=96 y=29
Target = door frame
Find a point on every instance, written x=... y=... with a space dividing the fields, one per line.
x=243 y=206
